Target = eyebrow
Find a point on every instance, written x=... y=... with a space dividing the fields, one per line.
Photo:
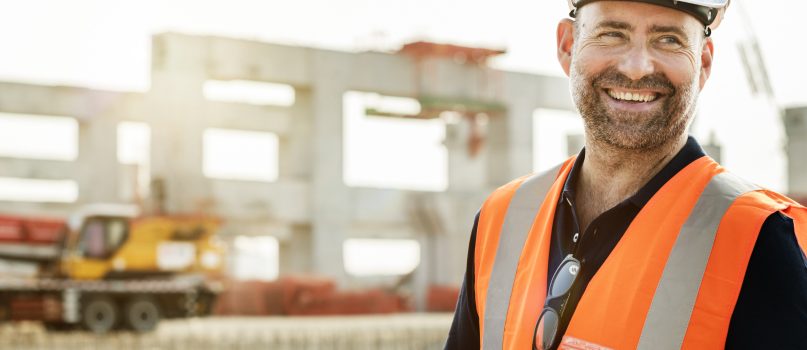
x=667 y=29
x=611 y=24
x=614 y=25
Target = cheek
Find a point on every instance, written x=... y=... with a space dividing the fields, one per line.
x=680 y=68
x=588 y=63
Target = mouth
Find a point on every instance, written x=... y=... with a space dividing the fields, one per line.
x=632 y=96
x=632 y=100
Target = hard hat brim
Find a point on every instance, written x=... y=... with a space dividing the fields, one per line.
x=708 y=12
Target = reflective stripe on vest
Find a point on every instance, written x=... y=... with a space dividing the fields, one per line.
x=669 y=314
x=520 y=214
x=671 y=281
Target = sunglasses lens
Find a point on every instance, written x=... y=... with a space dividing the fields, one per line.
x=546 y=329
x=565 y=277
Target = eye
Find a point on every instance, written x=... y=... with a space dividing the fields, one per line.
x=612 y=35
x=669 y=40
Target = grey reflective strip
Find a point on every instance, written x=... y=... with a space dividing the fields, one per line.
x=518 y=220
x=669 y=314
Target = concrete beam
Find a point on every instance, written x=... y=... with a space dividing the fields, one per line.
x=38 y=169
x=285 y=201
x=259 y=61
x=385 y=73
x=541 y=90
x=377 y=206
x=45 y=210
x=80 y=103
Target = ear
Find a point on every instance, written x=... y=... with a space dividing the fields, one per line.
x=565 y=36
x=707 y=53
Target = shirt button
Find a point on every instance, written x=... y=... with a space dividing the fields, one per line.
x=576 y=236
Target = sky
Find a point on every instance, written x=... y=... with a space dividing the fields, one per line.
x=105 y=44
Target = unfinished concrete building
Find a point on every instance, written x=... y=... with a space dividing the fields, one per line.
x=795 y=120
x=307 y=206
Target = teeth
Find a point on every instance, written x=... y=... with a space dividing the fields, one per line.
x=628 y=96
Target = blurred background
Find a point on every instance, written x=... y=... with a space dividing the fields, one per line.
x=305 y=172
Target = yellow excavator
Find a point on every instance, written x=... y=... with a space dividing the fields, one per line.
x=108 y=267
x=112 y=242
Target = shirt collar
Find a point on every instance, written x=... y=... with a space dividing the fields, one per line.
x=690 y=152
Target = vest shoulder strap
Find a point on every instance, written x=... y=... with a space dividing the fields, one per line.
x=675 y=298
x=505 y=219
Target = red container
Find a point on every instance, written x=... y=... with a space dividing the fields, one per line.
x=44 y=230
x=299 y=295
x=250 y=298
x=11 y=229
x=373 y=301
x=29 y=230
x=442 y=298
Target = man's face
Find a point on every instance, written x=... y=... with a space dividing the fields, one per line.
x=636 y=70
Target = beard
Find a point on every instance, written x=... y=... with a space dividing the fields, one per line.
x=631 y=130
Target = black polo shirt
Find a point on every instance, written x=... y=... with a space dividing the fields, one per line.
x=771 y=310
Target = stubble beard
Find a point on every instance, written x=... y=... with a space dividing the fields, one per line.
x=634 y=131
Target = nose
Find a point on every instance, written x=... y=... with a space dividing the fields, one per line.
x=637 y=63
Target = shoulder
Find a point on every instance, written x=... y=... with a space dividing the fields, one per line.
x=778 y=260
x=777 y=243
x=771 y=310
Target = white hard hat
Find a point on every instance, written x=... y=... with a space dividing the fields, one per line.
x=708 y=12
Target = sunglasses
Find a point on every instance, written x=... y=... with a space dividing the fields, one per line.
x=562 y=280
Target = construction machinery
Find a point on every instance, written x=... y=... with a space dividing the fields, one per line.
x=108 y=268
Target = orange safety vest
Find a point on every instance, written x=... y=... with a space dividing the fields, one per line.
x=671 y=282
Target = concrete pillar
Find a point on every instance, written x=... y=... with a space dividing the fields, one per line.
x=796 y=129
x=468 y=187
x=430 y=228
x=296 y=164
x=466 y=172
x=424 y=274
x=296 y=148
x=295 y=251
x=520 y=108
x=498 y=149
x=177 y=118
x=331 y=205
x=98 y=161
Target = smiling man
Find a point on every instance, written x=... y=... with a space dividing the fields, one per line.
x=641 y=241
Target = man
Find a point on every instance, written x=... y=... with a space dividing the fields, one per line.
x=641 y=241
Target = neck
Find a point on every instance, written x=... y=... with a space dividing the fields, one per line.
x=610 y=175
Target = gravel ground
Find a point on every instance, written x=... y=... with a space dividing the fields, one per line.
x=396 y=332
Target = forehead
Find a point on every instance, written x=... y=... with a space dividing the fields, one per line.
x=636 y=15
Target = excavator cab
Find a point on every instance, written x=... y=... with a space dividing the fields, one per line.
x=102 y=236
x=114 y=242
